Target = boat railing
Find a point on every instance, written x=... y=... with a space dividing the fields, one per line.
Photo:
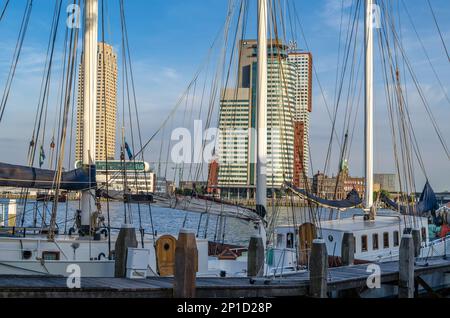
x=20 y=231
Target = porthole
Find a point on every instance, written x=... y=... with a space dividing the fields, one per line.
x=26 y=254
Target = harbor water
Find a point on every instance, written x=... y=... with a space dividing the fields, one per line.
x=167 y=221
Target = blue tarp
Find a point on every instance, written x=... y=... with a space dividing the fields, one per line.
x=427 y=202
x=33 y=178
x=352 y=201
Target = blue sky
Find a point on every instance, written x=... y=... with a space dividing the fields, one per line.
x=170 y=39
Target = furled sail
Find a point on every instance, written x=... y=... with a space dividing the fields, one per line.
x=352 y=201
x=427 y=202
x=33 y=178
x=204 y=204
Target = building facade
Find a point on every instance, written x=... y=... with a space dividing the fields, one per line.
x=337 y=187
x=302 y=62
x=238 y=122
x=106 y=115
x=234 y=139
x=213 y=177
x=129 y=176
x=388 y=182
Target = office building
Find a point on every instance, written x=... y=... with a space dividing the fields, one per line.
x=238 y=116
x=106 y=115
x=302 y=62
x=129 y=176
x=388 y=182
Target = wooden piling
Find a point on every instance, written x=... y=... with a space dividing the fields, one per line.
x=318 y=269
x=417 y=242
x=406 y=267
x=255 y=261
x=348 y=249
x=186 y=255
x=125 y=240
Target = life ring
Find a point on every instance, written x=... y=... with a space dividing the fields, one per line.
x=101 y=255
x=71 y=231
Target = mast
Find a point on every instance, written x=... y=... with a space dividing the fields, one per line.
x=368 y=38
x=261 y=161
x=90 y=39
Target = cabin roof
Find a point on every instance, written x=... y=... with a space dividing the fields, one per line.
x=358 y=224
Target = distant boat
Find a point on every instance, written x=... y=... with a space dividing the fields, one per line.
x=48 y=197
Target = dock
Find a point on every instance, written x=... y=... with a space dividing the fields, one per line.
x=339 y=279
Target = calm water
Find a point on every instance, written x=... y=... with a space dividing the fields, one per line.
x=167 y=221
x=163 y=221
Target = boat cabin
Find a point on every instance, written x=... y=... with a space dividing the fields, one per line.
x=377 y=240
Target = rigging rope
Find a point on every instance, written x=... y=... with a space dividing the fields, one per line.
x=5 y=6
x=439 y=29
x=16 y=57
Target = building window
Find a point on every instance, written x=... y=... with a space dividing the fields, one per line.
x=386 y=240
x=280 y=241
x=396 y=239
x=375 y=242
x=364 y=243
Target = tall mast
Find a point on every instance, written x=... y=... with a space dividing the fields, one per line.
x=90 y=39
x=368 y=38
x=261 y=163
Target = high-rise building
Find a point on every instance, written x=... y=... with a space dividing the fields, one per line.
x=234 y=140
x=238 y=116
x=106 y=106
x=303 y=107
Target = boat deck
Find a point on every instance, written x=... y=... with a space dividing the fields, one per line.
x=342 y=278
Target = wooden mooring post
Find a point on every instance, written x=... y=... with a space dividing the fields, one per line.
x=417 y=242
x=348 y=259
x=348 y=249
x=255 y=262
x=186 y=255
x=125 y=240
x=318 y=270
x=406 y=267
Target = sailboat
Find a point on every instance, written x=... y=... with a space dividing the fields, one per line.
x=376 y=237
x=34 y=252
x=91 y=245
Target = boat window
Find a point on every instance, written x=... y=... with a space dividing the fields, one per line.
x=364 y=243
x=424 y=234
x=396 y=239
x=280 y=240
x=50 y=256
x=375 y=243
x=386 y=240
x=290 y=240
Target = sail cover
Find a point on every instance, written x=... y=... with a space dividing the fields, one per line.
x=204 y=204
x=352 y=201
x=33 y=178
x=427 y=202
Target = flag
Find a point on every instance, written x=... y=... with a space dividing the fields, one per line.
x=130 y=154
x=41 y=157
